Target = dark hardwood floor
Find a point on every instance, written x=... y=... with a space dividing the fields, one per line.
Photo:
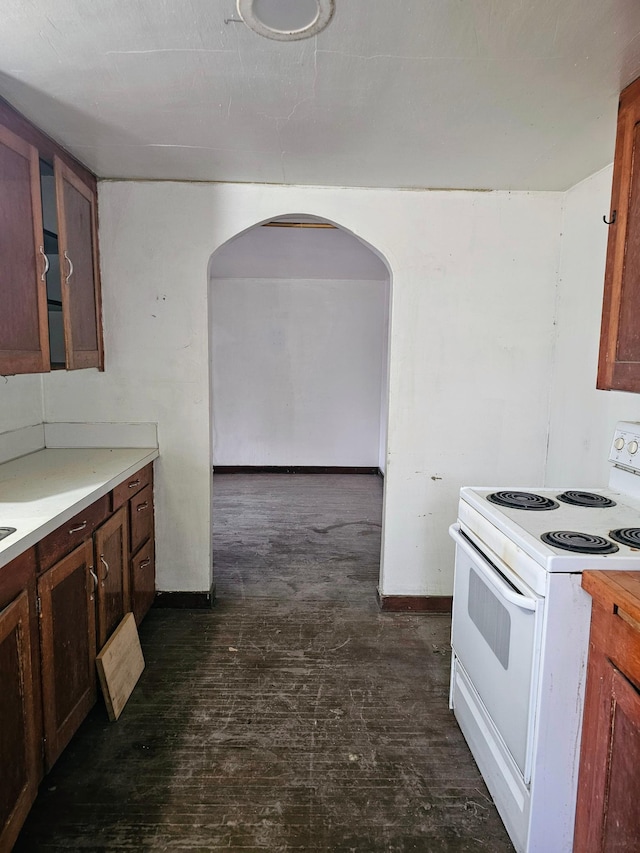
x=294 y=716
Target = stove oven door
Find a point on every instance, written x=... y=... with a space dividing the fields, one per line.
x=496 y=636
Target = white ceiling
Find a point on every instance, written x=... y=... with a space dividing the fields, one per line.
x=394 y=93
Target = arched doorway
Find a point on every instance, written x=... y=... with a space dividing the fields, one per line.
x=299 y=327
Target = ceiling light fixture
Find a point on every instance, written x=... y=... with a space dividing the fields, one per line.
x=286 y=20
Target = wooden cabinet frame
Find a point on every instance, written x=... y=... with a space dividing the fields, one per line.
x=59 y=729
x=36 y=358
x=607 y=817
x=82 y=315
x=619 y=360
x=112 y=540
x=72 y=278
x=15 y=619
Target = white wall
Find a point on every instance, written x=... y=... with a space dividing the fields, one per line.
x=298 y=253
x=470 y=353
x=297 y=371
x=20 y=402
x=384 y=387
x=581 y=418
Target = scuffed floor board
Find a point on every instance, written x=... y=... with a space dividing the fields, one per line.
x=294 y=716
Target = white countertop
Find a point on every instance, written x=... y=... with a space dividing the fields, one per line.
x=43 y=490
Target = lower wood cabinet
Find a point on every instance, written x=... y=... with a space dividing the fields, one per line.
x=143 y=580
x=136 y=496
x=68 y=647
x=111 y=574
x=20 y=760
x=59 y=603
x=607 y=814
x=141 y=514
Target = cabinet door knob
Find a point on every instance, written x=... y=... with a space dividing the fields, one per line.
x=134 y=483
x=106 y=565
x=78 y=528
x=68 y=260
x=46 y=264
x=142 y=506
x=145 y=563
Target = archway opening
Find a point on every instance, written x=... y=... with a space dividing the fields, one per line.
x=299 y=332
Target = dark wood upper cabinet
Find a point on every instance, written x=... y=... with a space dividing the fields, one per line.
x=50 y=313
x=24 y=335
x=80 y=284
x=619 y=362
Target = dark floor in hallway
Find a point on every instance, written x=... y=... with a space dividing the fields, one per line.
x=293 y=717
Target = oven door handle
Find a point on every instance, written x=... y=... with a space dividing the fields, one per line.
x=489 y=573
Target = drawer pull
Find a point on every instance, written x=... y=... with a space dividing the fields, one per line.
x=145 y=563
x=106 y=565
x=134 y=483
x=78 y=528
x=142 y=506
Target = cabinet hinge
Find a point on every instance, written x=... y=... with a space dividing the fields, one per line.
x=38 y=605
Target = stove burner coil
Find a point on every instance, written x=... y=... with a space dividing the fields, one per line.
x=588 y=499
x=522 y=500
x=580 y=543
x=627 y=536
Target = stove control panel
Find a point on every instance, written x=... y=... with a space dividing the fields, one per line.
x=626 y=442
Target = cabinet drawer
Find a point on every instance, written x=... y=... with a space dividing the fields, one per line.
x=143 y=580
x=131 y=486
x=63 y=540
x=141 y=513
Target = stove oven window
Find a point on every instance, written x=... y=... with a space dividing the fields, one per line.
x=490 y=617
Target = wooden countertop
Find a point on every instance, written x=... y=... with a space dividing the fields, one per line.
x=615 y=589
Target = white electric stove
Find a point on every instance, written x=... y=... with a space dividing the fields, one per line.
x=520 y=634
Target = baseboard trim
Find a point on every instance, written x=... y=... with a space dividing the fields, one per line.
x=295 y=469
x=414 y=603
x=186 y=600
